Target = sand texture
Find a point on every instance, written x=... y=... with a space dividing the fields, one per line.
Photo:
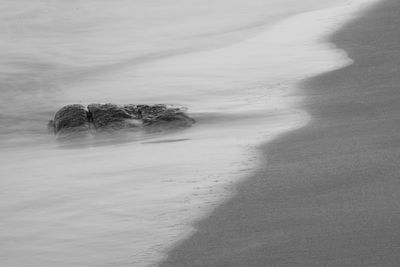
x=329 y=193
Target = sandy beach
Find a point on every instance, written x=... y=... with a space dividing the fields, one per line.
x=327 y=194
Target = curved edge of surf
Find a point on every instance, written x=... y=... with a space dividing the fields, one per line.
x=329 y=21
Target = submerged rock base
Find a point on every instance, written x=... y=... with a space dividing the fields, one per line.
x=78 y=119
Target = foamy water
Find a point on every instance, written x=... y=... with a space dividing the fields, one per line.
x=126 y=199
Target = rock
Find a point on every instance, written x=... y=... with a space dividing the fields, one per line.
x=132 y=110
x=71 y=118
x=74 y=118
x=110 y=116
x=163 y=116
x=145 y=111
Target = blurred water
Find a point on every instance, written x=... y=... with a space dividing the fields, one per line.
x=49 y=46
x=122 y=200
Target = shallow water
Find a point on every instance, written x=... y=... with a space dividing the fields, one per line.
x=124 y=199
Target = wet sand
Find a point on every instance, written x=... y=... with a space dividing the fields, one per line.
x=327 y=194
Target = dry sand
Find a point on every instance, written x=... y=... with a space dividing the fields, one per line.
x=330 y=192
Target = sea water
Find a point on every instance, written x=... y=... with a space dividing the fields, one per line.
x=124 y=199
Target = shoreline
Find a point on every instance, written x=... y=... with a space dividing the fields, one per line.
x=277 y=215
x=328 y=59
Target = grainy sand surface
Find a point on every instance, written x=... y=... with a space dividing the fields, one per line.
x=327 y=194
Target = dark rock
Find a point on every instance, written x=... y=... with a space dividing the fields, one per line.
x=146 y=111
x=76 y=118
x=132 y=110
x=163 y=116
x=71 y=118
x=110 y=116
